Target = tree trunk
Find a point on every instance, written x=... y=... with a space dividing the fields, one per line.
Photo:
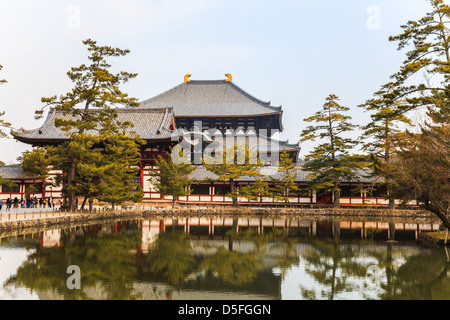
x=173 y=202
x=440 y=214
x=71 y=183
x=235 y=201
x=391 y=203
x=336 y=196
x=84 y=202
x=91 y=204
x=391 y=199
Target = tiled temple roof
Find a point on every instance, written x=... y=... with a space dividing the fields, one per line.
x=210 y=98
x=150 y=124
x=14 y=172
x=201 y=174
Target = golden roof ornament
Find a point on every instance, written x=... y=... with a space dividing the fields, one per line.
x=230 y=77
x=186 y=77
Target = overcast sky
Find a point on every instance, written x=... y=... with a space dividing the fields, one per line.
x=292 y=53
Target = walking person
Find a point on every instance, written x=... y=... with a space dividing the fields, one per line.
x=8 y=204
x=1 y=204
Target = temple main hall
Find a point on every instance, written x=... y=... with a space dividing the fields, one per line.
x=218 y=105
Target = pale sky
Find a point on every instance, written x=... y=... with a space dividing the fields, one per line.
x=292 y=53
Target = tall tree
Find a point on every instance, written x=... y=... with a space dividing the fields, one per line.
x=2 y=80
x=107 y=175
x=234 y=162
x=382 y=136
x=428 y=42
x=3 y=123
x=89 y=106
x=331 y=162
x=422 y=171
x=255 y=190
x=170 y=178
x=285 y=184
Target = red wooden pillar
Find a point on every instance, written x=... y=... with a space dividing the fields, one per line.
x=41 y=239
x=43 y=188
x=211 y=227
x=22 y=190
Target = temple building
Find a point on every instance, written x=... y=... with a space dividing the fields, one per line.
x=217 y=105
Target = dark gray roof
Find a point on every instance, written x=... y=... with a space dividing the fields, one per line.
x=14 y=172
x=210 y=98
x=150 y=124
x=201 y=173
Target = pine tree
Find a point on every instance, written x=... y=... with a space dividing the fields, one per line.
x=255 y=190
x=236 y=161
x=2 y=80
x=170 y=178
x=382 y=137
x=107 y=174
x=3 y=123
x=422 y=172
x=428 y=41
x=90 y=106
x=288 y=173
x=330 y=162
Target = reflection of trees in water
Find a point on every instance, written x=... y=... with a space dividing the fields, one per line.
x=233 y=267
x=403 y=273
x=106 y=261
x=241 y=267
x=110 y=266
x=171 y=256
x=423 y=276
x=331 y=265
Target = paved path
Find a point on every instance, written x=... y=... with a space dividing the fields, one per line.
x=26 y=210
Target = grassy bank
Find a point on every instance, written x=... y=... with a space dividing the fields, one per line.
x=437 y=237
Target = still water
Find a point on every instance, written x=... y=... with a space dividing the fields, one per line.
x=225 y=258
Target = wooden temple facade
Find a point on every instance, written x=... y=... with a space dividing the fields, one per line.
x=215 y=105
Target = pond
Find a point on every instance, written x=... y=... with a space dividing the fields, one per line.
x=225 y=258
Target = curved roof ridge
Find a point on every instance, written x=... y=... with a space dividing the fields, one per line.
x=148 y=123
x=248 y=95
x=185 y=85
x=50 y=115
x=161 y=94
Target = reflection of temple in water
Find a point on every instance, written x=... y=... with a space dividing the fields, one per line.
x=208 y=235
x=217 y=228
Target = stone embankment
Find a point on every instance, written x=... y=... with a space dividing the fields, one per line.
x=309 y=213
